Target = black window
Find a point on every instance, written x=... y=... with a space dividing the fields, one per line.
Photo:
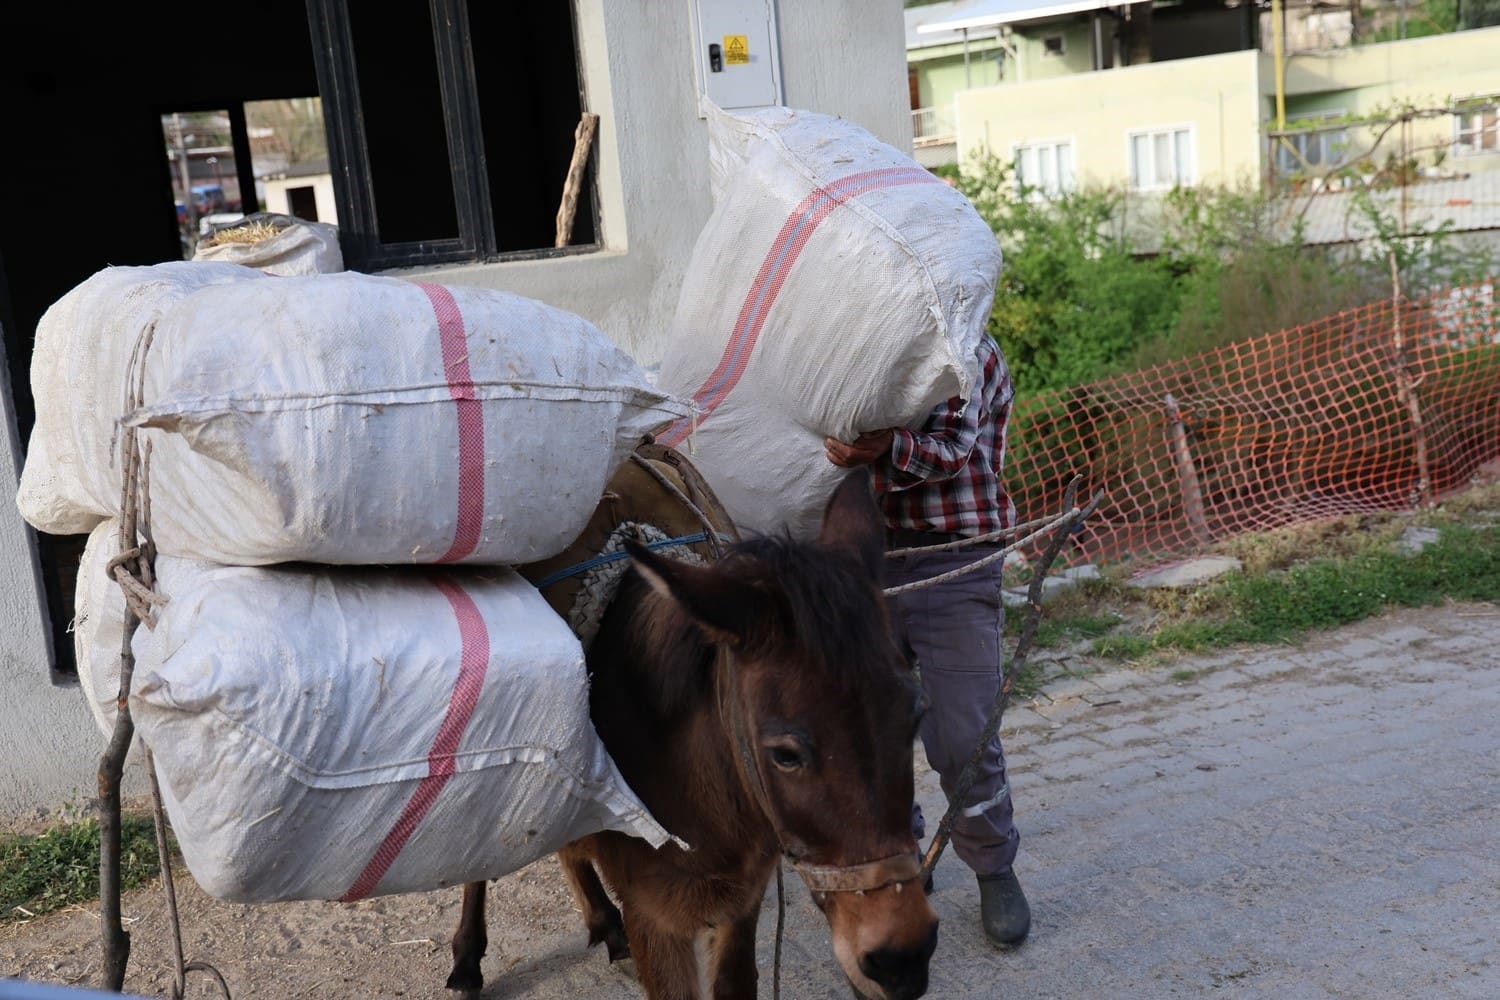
x=451 y=127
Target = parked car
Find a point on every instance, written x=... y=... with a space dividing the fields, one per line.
x=209 y=198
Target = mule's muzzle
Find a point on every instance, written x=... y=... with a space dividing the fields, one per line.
x=900 y=972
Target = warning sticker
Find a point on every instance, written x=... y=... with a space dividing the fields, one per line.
x=737 y=49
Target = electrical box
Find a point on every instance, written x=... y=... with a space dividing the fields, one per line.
x=738 y=63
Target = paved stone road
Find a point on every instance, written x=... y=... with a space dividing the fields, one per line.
x=1312 y=821
x=1294 y=822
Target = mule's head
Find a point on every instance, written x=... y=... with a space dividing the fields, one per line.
x=828 y=712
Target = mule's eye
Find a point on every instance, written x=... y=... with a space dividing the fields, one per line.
x=787 y=758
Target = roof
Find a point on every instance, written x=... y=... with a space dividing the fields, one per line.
x=1468 y=204
x=1464 y=204
x=944 y=23
x=307 y=168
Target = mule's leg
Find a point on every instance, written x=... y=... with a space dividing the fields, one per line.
x=665 y=963
x=732 y=964
x=469 y=941
x=600 y=914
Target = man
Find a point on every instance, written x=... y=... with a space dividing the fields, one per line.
x=941 y=484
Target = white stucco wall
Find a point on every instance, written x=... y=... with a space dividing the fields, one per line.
x=322 y=184
x=843 y=57
x=49 y=747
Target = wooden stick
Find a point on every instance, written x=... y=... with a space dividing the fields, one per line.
x=1406 y=391
x=583 y=140
x=1187 y=473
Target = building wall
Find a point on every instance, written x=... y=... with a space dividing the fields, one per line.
x=653 y=177
x=322 y=184
x=1367 y=80
x=1033 y=62
x=1218 y=95
x=940 y=78
x=49 y=748
x=1421 y=69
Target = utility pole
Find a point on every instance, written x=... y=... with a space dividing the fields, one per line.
x=185 y=176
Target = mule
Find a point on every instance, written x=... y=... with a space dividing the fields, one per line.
x=760 y=709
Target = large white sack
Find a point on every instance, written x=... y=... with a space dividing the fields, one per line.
x=99 y=625
x=79 y=367
x=838 y=287
x=295 y=247
x=354 y=419
x=339 y=733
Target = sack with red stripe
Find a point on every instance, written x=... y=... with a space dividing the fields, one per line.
x=79 y=367
x=838 y=287
x=344 y=418
x=336 y=733
x=99 y=626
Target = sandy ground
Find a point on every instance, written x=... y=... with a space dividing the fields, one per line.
x=1253 y=832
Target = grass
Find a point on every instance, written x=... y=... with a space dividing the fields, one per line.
x=58 y=867
x=1294 y=581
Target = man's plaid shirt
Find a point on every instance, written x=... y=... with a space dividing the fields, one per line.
x=945 y=477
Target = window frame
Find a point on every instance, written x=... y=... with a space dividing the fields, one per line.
x=1323 y=134
x=1062 y=46
x=1191 y=180
x=1477 y=104
x=353 y=179
x=1053 y=144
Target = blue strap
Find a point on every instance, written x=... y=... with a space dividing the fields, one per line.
x=610 y=557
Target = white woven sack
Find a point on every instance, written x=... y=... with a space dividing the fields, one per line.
x=297 y=247
x=341 y=733
x=78 y=370
x=353 y=419
x=99 y=625
x=838 y=287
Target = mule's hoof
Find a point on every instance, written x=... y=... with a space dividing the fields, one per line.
x=468 y=980
x=612 y=936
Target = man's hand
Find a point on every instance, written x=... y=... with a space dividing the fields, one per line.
x=870 y=446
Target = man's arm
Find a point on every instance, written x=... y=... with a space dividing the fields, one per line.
x=904 y=458
x=940 y=450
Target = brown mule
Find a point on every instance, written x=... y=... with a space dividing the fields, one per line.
x=759 y=709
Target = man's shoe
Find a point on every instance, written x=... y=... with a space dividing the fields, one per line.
x=1003 y=908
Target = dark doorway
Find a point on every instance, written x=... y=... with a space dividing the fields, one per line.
x=303 y=202
x=88 y=184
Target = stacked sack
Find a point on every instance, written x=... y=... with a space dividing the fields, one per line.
x=838 y=287
x=322 y=730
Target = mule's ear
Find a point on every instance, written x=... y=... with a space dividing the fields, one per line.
x=727 y=607
x=852 y=522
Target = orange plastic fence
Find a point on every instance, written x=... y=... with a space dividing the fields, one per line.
x=1375 y=409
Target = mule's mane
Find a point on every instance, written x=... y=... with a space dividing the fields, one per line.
x=822 y=601
x=827 y=600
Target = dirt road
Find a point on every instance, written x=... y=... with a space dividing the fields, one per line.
x=1312 y=821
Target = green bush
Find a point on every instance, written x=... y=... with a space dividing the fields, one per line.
x=1078 y=300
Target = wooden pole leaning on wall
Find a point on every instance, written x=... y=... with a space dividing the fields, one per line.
x=583 y=141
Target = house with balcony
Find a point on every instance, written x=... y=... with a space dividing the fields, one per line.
x=962 y=45
x=1150 y=96
x=1233 y=119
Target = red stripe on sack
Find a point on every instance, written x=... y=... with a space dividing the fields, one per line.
x=785 y=249
x=455 y=345
x=474 y=662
